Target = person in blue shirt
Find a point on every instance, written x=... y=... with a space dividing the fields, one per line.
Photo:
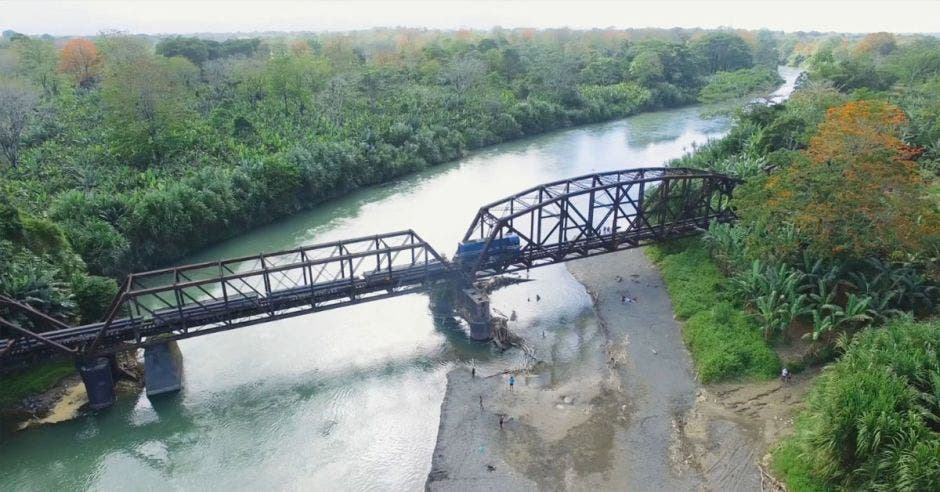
x=512 y=381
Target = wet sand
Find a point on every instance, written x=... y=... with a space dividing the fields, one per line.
x=628 y=415
x=67 y=399
x=67 y=406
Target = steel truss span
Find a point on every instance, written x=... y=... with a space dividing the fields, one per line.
x=551 y=223
x=598 y=213
x=192 y=300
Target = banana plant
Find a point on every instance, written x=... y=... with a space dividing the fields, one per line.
x=882 y=292
x=772 y=292
x=775 y=312
x=728 y=245
x=828 y=316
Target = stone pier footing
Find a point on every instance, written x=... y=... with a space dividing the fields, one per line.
x=474 y=307
x=99 y=382
x=163 y=369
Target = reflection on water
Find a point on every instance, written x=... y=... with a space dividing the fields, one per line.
x=346 y=399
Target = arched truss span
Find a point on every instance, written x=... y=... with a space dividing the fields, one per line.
x=599 y=213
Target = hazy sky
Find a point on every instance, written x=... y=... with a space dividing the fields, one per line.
x=184 y=16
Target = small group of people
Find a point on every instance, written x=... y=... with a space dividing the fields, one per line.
x=785 y=375
x=512 y=383
x=502 y=418
x=607 y=229
x=624 y=299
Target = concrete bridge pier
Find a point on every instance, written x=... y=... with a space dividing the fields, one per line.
x=474 y=307
x=99 y=381
x=163 y=369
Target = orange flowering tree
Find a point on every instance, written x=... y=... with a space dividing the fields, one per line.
x=854 y=193
x=79 y=58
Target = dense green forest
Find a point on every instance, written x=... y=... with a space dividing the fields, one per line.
x=836 y=252
x=123 y=152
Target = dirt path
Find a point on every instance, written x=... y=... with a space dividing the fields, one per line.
x=628 y=415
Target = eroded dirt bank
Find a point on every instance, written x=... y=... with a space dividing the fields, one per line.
x=67 y=399
x=626 y=415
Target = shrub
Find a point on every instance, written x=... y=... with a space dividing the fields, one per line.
x=93 y=295
x=731 y=85
x=772 y=291
x=103 y=247
x=728 y=245
x=30 y=280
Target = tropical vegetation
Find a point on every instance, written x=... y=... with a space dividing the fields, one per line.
x=837 y=248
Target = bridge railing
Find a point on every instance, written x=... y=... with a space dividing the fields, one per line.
x=212 y=294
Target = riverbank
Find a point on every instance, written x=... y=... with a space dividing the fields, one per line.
x=65 y=397
x=630 y=417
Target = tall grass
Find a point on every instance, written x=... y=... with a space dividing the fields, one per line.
x=873 y=419
x=724 y=341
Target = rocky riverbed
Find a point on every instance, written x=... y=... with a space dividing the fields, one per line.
x=626 y=415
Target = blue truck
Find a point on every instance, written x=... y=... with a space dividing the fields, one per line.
x=502 y=249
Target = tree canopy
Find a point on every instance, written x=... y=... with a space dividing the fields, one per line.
x=855 y=192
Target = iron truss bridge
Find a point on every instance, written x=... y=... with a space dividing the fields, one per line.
x=598 y=213
x=554 y=222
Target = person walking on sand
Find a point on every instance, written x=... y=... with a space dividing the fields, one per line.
x=481 y=403
x=512 y=381
x=501 y=420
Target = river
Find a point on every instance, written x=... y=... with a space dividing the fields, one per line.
x=347 y=399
